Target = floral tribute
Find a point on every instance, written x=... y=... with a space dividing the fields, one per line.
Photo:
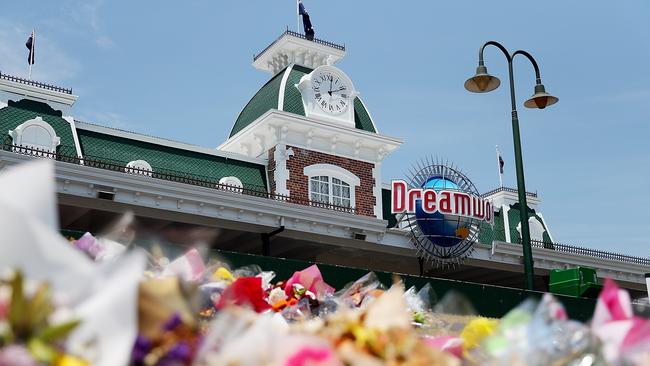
x=98 y=301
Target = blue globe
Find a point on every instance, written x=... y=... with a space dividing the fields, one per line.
x=441 y=230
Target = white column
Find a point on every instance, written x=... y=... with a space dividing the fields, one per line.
x=281 y=175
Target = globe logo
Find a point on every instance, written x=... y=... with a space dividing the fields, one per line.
x=443 y=210
x=442 y=229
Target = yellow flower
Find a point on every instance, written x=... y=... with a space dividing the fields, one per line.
x=477 y=330
x=68 y=360
x=222 y=274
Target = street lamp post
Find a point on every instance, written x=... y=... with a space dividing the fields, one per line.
x=483 y=82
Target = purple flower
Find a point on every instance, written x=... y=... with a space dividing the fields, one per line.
x=141 y=348
x=16 y=355
x=173 y=322
x=181 y=351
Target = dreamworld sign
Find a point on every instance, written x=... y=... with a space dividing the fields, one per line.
x=446 y=202
x=443 y=210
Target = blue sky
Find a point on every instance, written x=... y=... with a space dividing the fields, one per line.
x=184 y=72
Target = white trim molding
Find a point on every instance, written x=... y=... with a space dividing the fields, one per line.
x=277 y=127
x=289 y=49
x=75 y=137
x=283 y=85
x=39 y=125
x=332 y=171
x=32 y=92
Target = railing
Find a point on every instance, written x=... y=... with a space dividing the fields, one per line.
x=564 y=248
x=300 y=35
x=36 y=84
x=506 y=189
x=173 y=176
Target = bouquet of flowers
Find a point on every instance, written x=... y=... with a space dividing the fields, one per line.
x=95 y=303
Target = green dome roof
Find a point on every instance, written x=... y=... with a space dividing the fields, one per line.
x=267 y=98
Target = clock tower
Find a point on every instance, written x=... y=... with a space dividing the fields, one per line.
x=328 y=94
x=309 y=121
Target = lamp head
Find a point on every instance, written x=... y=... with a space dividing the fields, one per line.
x=482 y=82
x=541 y=99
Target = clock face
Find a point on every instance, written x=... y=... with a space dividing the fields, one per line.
x=331 y=92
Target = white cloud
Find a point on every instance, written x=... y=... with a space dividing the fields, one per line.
x=86 y=14
x=104 y=42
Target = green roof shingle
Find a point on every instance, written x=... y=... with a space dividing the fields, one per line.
x=267 y=98
x=362 y=119
x=264 y=100
x=121 y=150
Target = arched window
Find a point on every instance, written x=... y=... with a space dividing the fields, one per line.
x=536 y=229
x=331 y=184
x=35 y=134
x=233 y=182
x=139 y=167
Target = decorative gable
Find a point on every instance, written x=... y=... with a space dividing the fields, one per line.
x=35 y=134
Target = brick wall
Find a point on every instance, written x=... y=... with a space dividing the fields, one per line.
x=298 y=183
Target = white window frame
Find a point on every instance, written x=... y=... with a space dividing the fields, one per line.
x=18 y=133
x=143 y=168
x=333 y=171
x=233 y=182
x=536 y=229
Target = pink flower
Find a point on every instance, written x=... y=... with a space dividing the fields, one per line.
x=89 y=245
x=311 y=279
x=615 y=324
x=450 y=344
x=189 y=266
x=313 y=356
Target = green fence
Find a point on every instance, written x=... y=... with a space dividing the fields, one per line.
x=490 y=301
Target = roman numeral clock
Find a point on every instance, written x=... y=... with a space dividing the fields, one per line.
x=328 y=94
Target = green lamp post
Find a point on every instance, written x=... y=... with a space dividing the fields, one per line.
x=483 y=82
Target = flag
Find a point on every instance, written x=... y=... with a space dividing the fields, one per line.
x=501 y=163
x=30 y=46
x=306 y=22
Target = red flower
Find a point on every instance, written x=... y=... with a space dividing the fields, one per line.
x=245 y=291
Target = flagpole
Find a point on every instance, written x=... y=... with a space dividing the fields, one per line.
x=31 y=53
x=298 y=16
x=499 y=167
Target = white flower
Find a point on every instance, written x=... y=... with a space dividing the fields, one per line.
x=276 y=295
